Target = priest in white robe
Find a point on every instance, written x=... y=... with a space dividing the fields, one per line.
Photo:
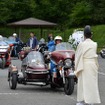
x=86 y=70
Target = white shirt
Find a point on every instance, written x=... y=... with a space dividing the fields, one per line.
x=31 y=42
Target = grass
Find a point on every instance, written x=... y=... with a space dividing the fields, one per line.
x=98 y=33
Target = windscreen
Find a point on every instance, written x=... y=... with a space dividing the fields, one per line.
x=3 y=46
x=11 y=40
x=63 y=46
x=2 y=43
x=35 y=58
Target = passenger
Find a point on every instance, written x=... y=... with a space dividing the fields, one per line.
x=51 y=44
x=49 y=37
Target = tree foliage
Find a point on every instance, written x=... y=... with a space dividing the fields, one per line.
x=64 y=12
x=81 y=13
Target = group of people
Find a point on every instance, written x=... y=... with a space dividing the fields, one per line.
x=32 y=41
x=52 y=42
x=86 y=65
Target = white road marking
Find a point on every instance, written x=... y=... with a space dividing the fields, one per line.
x=71 y=97
x=101 y=73
x=9 y=93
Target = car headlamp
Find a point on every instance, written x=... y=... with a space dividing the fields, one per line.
x=3 y=50
x=68 y=63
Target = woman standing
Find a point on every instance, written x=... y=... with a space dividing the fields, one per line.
x=86 y=70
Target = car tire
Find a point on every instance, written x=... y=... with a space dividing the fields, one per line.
x=103 y=56
x=3 y=63
x=69 y=85
x=13 y=81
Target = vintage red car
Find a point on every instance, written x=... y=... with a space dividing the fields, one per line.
x=33 y=71
x=5 y=59
x=63 y=59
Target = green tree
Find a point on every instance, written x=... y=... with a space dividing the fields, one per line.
x=53 y=10
x=4 y=12
x=98 y=13
x=81 y=13
x=20 y=9
x=63 y=12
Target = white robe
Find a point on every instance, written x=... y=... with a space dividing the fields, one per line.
x=86 y=70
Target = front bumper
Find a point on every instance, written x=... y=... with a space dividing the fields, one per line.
x=37 y=72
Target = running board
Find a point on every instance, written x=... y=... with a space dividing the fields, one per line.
x=36 y=83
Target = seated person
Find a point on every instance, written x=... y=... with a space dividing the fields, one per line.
x=57 y=40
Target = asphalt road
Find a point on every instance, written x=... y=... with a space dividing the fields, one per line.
x=36 y=95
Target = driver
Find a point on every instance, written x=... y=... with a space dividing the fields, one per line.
x=57 y=40
x=52 y=43
x=16 y=38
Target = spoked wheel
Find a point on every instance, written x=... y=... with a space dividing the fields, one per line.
x=3 y=63
x=13 y=81
x=69 y=85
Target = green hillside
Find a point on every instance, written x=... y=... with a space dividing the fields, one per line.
x=98 y=34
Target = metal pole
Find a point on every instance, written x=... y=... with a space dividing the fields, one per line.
x=41 y=32
x=20 y=32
